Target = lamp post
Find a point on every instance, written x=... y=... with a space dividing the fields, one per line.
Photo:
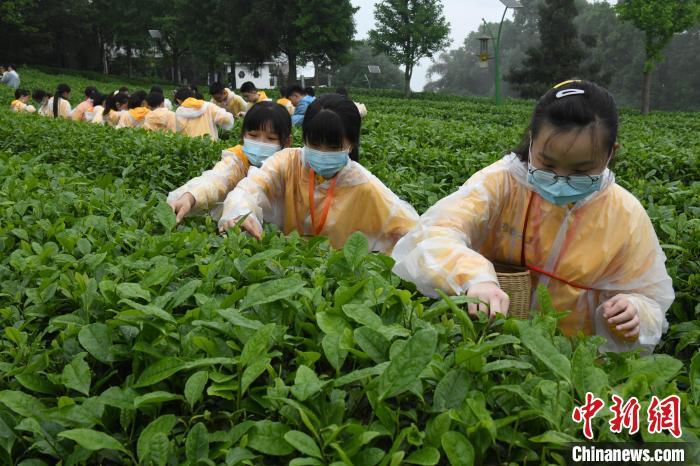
x=483 y=56
x=156 y=35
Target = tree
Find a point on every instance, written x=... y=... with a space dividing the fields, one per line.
x=659 y=21
x=326 y=30
x=409 y=30
x=559 y=56
x=458 y=71
x=355 y=72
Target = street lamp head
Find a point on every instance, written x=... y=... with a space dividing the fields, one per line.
x=484 y=44
x=155 y=34
x=484 y=51
x=512 y=3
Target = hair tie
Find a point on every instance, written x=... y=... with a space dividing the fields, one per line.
x=568 y=92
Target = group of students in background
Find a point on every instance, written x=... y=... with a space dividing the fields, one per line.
x=152 y=111
x=9 y=76
x=551 y=206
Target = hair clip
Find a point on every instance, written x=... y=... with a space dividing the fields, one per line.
x=564 y=83
x=568 y=92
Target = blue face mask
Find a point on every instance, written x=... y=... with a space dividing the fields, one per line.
x=326 y=164
x=562 y=190
x=257 y=152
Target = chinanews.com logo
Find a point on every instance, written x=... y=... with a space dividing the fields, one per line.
x=661 y=416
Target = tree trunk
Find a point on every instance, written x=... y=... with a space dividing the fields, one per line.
x=317 y=71
x=128 y=60
x=646 y=94
x=407 y=80
x=233 y=75
x=292 y=76
x=103 y=53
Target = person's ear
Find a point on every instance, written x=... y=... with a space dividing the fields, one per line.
x=613 y=152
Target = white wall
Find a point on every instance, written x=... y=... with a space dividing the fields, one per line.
x=264 y=80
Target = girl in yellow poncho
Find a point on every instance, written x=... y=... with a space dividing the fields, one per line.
x=136 y=115
x=321 y=189
x=252 y=95
x=552 y=206
x=159 y=118
x=114 y=105
x=267 y=129
x=41 y=97
x=196 y=117
x=21 y=102
x=58 y=104
x=227 y=99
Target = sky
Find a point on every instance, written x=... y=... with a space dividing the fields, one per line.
x=464 y=16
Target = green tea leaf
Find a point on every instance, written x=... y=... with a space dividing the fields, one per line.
x=92 y=440
x=21 y=403
x=373 y=343
x=269 y=292
x=162 y=425
x=267 y=437
x=694 y=374
x=542 y=348
x=458 y=449
x=160 y=370
x=355 y=249
x=303 y=443
x=306 y=384
x=154 y=398
x=362 y=315
x=132 y=290
x=158 y=449
x=407 y=365
x=165 y=216
x=451 y=390
x=585 y=376
x=426 y=456
x=76 y=375
x=252 y=372
x=257 y=345
x=506 y=364
x=96 y=340
x=194 y=387
x=197 y=443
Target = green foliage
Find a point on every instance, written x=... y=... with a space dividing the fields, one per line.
x=126 y=340
x=559 y=55
x=408 y=30
x=355 y=72
x=659 y=21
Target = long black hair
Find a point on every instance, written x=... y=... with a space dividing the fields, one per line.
x=268 y=116
x=39 y=94
x=97 y=98
x=136 y=99
x=329 y=120
x=60 y=90
x=113 y=101
x=574 y=106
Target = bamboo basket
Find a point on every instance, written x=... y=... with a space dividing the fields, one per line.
x=515 y=282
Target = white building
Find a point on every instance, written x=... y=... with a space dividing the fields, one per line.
x=261 y=76
x=267 y=76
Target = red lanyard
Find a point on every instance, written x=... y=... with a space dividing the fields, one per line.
x=538 y=269
x=326 y=204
